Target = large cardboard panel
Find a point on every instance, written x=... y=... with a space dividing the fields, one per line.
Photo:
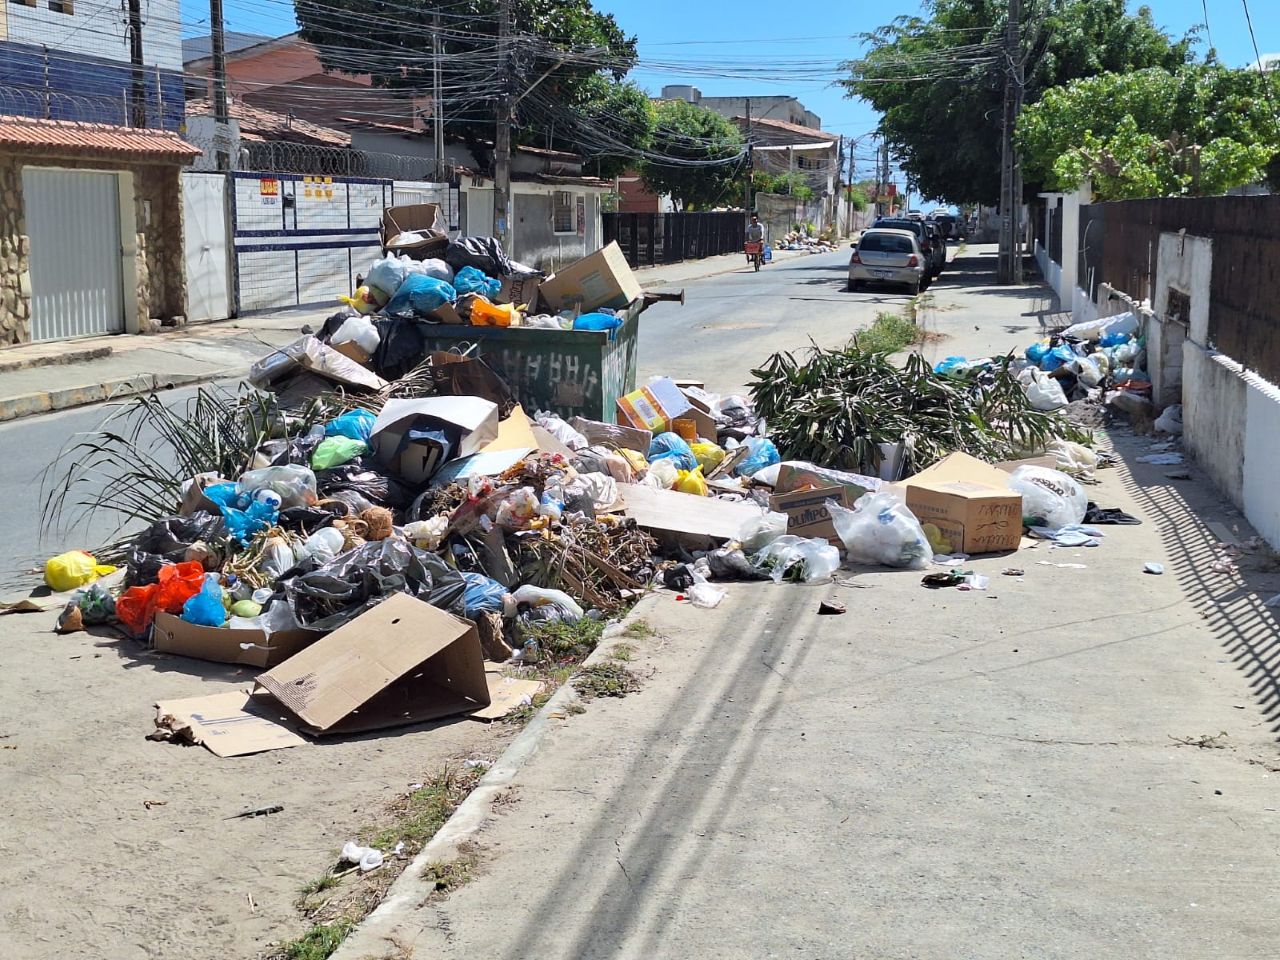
x=223 y=645
x=505 y=693
x=402 y=662
x=795 y=476
x=682 y=514
x=603 y=279
x=613 y=435
x=231 y=724
x=807 y=512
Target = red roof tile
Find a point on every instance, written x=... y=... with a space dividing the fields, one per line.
x=813 y=133
x=62 y=136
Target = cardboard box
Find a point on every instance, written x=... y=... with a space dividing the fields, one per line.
x=352 y=350
x=603 y=279
x=657 y=405
x=690 y=521
x=446 y=313
x=522 y=291
x=402 y=662
x=415 y=218
x=277 y=371
x=468 y=423
x=515 y=441
x=807 y=513
x=231 y=724
x=969 y=504
x=222 y=645
x=793 y=477
x=613 y=435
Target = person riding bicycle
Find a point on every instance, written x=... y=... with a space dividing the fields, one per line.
x=755 y=230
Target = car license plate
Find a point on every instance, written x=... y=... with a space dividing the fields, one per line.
x=882 y=274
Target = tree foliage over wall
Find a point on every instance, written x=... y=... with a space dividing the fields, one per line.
x=699 y=157
x=938 y=80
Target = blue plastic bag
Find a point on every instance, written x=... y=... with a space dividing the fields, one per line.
x=243 y=514
x=205 y=608
x=1114 y=339
x=483 y=595
x=420 y=295
x=356 y=424
x=768 y=254
x=387 y=275
x=1035 y=353
x=1057 y=357
x=472 y=280
x=597 y=321
x=950 y=365
x=673 y=447
x=763 y=454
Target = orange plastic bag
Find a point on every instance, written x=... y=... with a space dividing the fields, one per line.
x=178 y=583
x=486 y=314
x=136 y=608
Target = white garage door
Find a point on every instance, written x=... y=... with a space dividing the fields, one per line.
x=73 y=220
x=204 y=211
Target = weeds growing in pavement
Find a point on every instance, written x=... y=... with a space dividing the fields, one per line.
x=608 y=679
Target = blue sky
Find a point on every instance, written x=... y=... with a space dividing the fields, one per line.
x=689 y=41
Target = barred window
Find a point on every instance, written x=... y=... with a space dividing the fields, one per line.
x=562 y=212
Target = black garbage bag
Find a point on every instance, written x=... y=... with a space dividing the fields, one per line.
x=328 y=596
x=296 y=449
x=306 y=520
x=167 y=541
x=401 y=347
x=365 y=476
x=483 y=253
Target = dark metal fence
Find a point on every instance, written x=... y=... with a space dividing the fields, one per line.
x=1119 y=245
x=648 y=239
x=1055 y=233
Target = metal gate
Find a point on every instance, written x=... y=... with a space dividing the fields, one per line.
x=73 y=222
x=204 y=212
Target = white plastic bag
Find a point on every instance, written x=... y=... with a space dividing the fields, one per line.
x=292 y=482
x=322 y=546
x=1122 y=323
x=561 y=430
x=881 y=530
x=601 y=488
x=1044 y=392
x=1089 y=371
x=1170 y=421
x=1077 y=460
x=539 y=596
x=1050 y=495
x=387 y=274
x=759 y=532
x=662 y=474
x=817 y=558
x=438 y=269
x=361 y=331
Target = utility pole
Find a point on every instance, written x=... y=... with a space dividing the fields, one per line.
x=837 y=189
x=751 y=158
x=221 y=115
x=437 y=93
x=138 y=91
x=502 y=134
x=1010 y=260
x=882 y=173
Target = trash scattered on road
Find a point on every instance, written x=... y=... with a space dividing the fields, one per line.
x=1154 y=568
x=462 y=456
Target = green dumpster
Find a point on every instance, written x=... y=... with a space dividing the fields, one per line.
x=568 y=372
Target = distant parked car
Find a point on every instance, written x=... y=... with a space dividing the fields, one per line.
x=888 y=256
x=931 y=243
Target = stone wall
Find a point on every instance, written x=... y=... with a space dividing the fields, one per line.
x=161 y=269
x=15 y=277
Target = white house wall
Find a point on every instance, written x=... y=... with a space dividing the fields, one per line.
x=97 y=29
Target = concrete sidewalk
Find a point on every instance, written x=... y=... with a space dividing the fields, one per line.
x=43 y=377
x=934 y=775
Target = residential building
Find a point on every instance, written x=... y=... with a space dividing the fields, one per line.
x=784 y=108
x=70 y=60
x=91 y=235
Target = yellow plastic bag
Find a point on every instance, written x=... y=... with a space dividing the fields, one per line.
x=708 y=454
x=73 y=569
x=362 y=301
x=691 y=481
x=634 y=457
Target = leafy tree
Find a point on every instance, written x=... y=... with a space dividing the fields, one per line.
x=698 y=156
x=1197 y=130
x=792 y=184
x=568 y=49
x=939 y=81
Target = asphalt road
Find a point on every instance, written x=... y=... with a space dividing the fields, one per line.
x=732 y=323
x=30 y=465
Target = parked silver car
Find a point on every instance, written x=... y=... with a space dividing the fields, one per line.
x=888 y=256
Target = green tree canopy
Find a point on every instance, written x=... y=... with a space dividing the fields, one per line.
x=938 y=82
x=698 y=156
x=576 y=56
x=1150 y=133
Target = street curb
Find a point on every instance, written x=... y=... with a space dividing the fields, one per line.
x=67 y=398
x=19 y=362
x=407 y=894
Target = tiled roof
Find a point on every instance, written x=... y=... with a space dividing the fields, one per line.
x=813 y=133
x=63 y=136
x=258 y=123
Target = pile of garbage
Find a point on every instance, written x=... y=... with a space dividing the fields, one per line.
x=1101 y=361
x=802 y=240
x=385 y=550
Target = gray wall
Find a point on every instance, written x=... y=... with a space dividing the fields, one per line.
x=535 y=243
